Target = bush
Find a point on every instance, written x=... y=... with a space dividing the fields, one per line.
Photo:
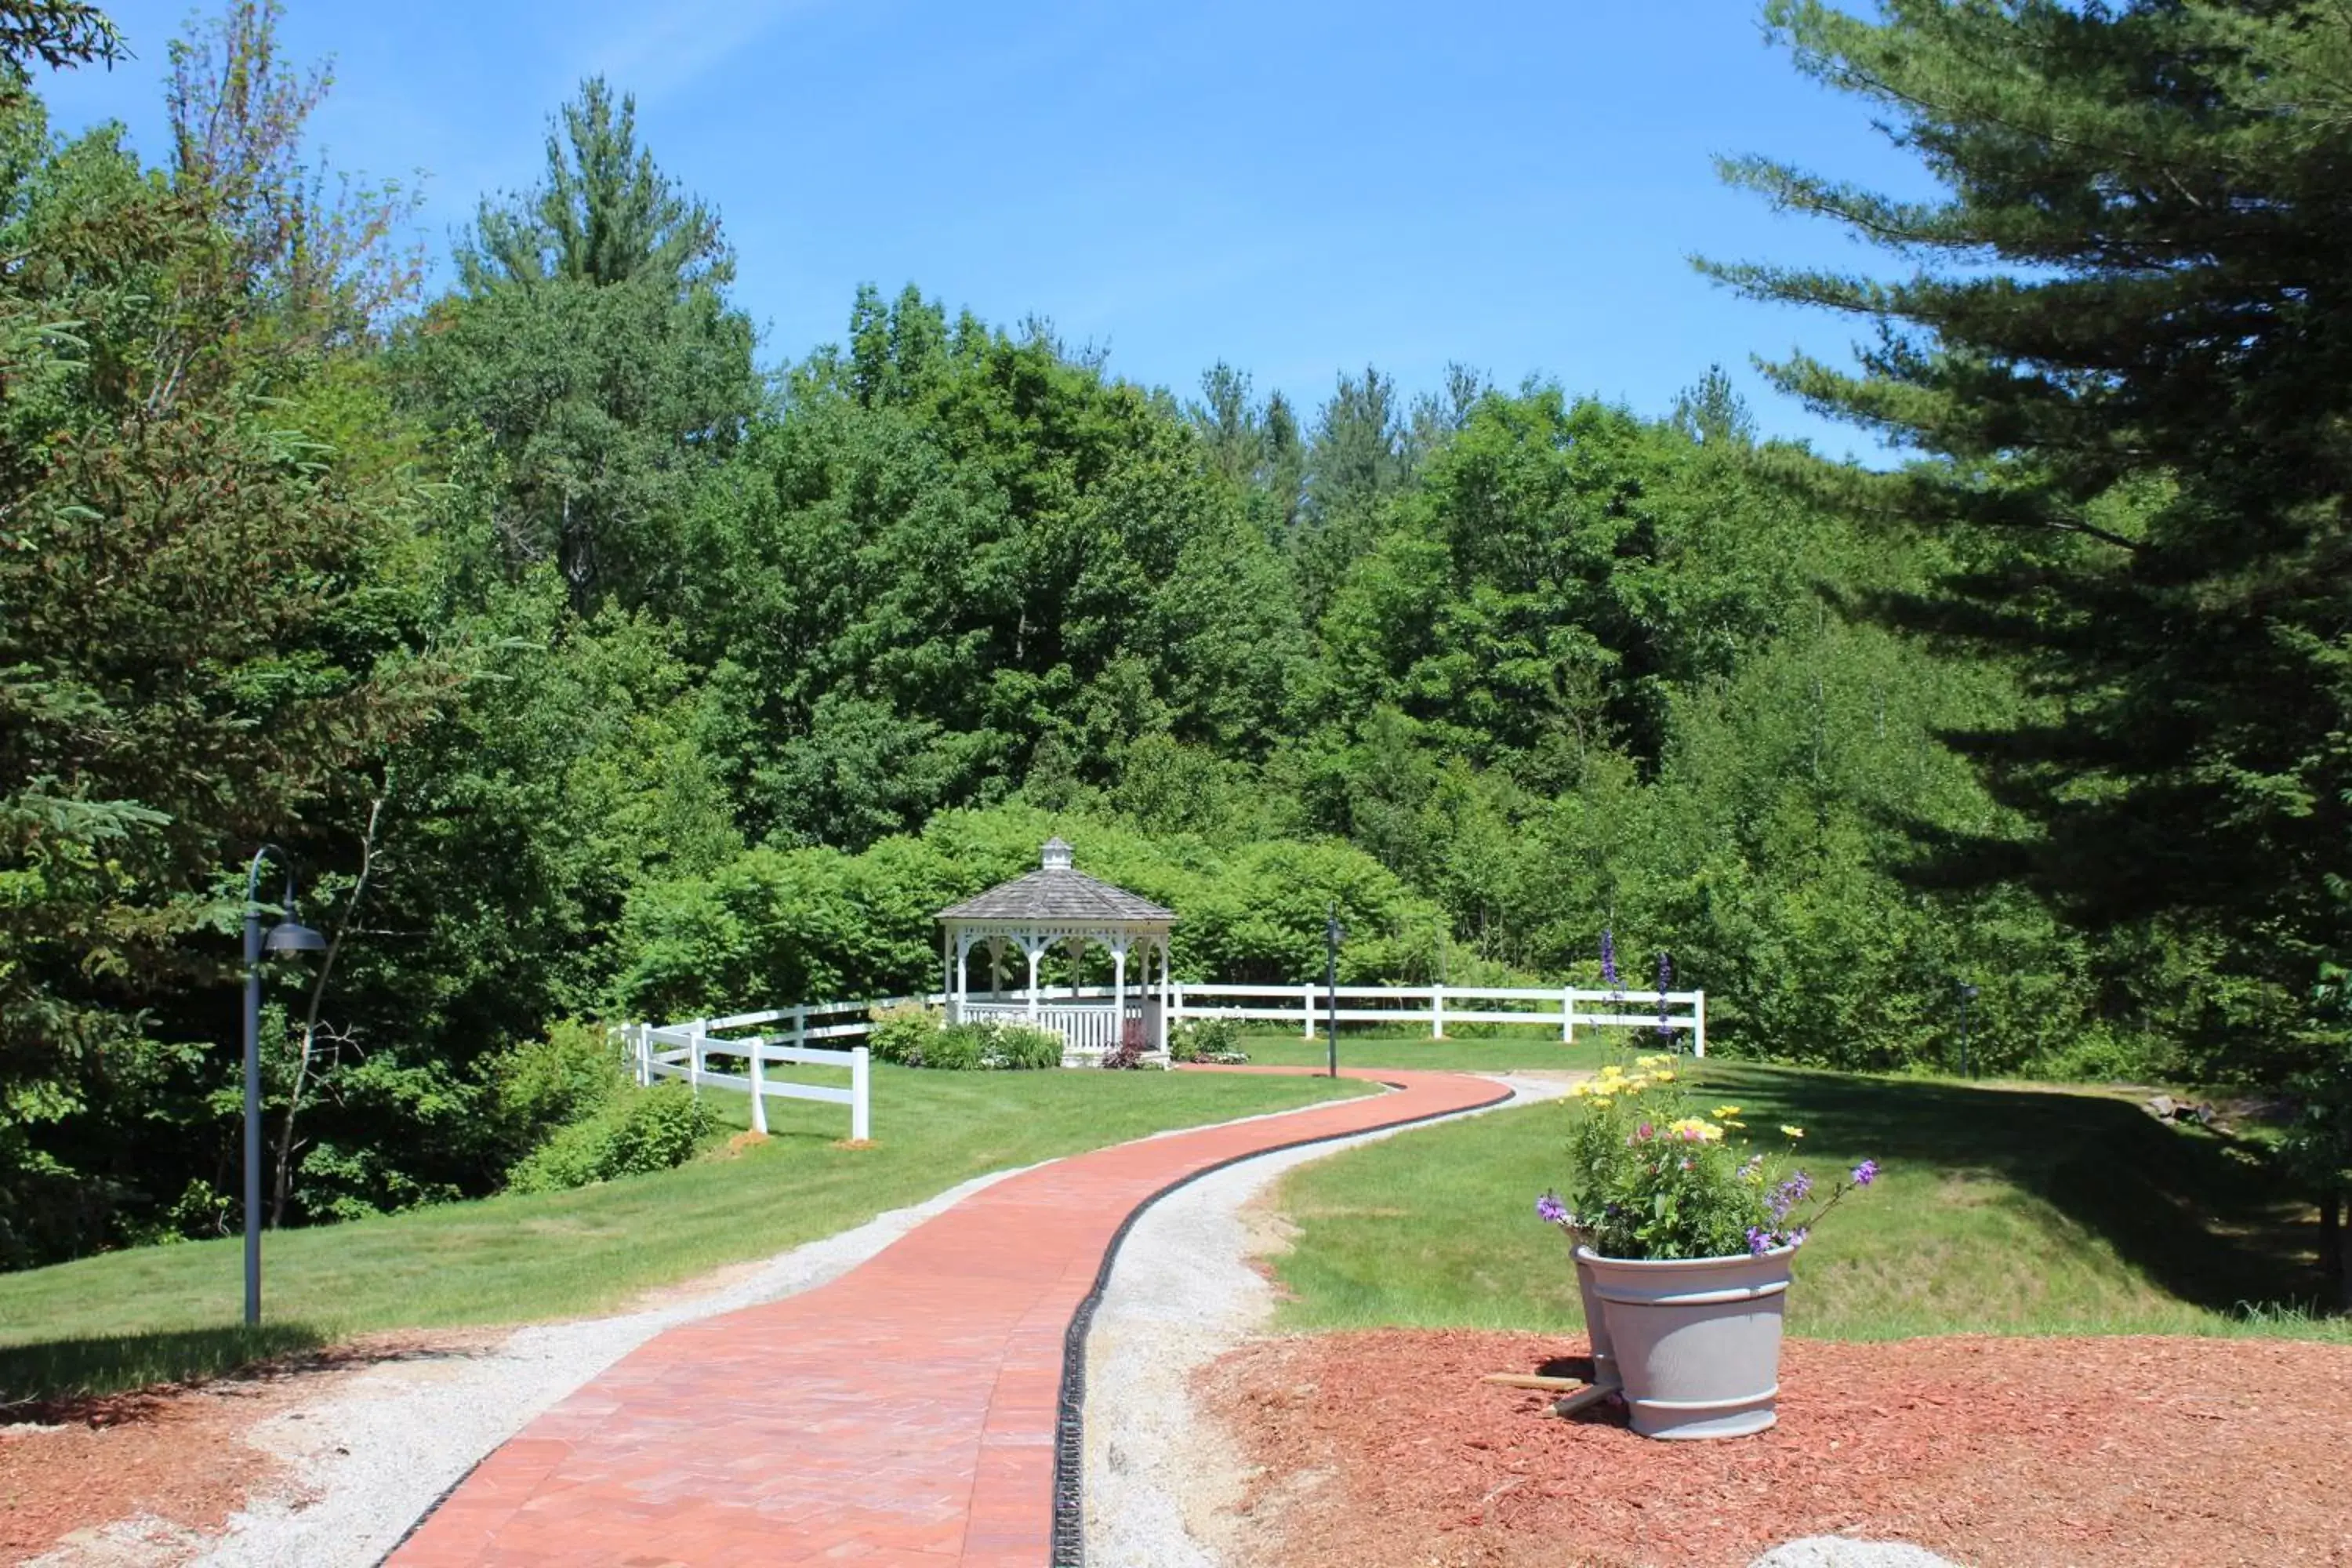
x=541 y=1086
x=1019 y=1047
x=1207 y=1040
x=959 y=1047
x=637 y=1130
x=904 y=1034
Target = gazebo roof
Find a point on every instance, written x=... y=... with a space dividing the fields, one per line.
x=1059 y=893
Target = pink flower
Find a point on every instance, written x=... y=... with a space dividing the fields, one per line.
x=1645 y=1130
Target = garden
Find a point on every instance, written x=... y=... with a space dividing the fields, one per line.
x=2039 y=1325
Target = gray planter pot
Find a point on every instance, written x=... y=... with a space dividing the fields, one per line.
x=1696 y=1342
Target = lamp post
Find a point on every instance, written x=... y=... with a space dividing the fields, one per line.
x=1968 y=994
x=288 y=935
x=1334 y=933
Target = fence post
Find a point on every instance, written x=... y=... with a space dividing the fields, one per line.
x=694 y=1056
x=800 y=1025
x=1307 y=996
x=641 y=1044
x=758 y=1046
x=1698 y=1022
x=1437 y=1012
x=861 y=1126
x=1568 y=1017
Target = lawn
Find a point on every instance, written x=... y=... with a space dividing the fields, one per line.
x=1507 y=1045
x=2002 y=1209
x=158 y=1313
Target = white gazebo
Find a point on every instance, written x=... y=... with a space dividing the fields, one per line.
x=1059 y=906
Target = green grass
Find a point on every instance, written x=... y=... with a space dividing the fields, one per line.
x=2007 y=1210
x=153 y=1314
x=1509 y=1046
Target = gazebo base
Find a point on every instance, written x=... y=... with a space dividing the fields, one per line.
x=1089 y=1030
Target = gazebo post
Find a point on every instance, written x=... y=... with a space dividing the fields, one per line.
x=1118 y=945
x=1034 y=946
x=962 y=969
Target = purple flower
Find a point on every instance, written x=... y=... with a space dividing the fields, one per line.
x=1608 y=959
x=1549 y=1209
x=1759 y=1241
x=1665 y=983
x=1790 y=1194
x=1865 y=1172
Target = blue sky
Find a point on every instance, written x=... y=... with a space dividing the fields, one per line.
x=1299 y=188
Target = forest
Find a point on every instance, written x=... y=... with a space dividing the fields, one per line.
x=593 y=659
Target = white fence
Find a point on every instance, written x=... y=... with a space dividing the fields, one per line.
x=684 y=1050
x=1673 y=1012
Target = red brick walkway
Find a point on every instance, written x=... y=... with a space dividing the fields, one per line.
x=902 y=1415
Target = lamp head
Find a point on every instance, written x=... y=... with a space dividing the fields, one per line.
x=292 y=936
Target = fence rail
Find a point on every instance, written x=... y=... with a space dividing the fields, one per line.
x=1676 y=1012
x=684 y=1050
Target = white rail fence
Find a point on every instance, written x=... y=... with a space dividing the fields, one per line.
x=684 y=1050
x=1669 y=1012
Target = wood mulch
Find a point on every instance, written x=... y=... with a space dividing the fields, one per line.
x=1383 y=1449
x=175 y=1459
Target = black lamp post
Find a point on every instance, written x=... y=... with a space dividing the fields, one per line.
x=1968 y=994
x=1334 y=933
x=287 y=935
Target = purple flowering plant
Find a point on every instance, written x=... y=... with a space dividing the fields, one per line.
x=1652 y=1175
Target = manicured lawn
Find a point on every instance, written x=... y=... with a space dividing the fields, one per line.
x=2001 y=1210
x=160 y=1313
x=1519 y=1047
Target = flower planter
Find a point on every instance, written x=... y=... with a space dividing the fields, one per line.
x=1695 y=1341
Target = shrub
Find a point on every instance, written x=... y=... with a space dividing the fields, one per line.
x=1207 y=1040
x=959 y=1047
x=636 y=1131
x=1020 y=1047
x=905 y=1034
x=540 y=1086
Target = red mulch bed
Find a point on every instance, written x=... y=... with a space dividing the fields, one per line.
x=179 y=1454
x=1383 y=1450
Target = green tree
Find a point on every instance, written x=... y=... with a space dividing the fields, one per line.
x=591 y=342
x=2123 y=355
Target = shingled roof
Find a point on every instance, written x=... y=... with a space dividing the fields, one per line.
x=1057 y=894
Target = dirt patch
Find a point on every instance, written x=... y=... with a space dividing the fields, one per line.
x=1383 y=1449
x=176 y=1459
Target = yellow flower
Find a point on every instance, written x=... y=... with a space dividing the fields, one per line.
x=1663 y=1076
x=1691 y=1130
x=1599 y=1099
x=1726 y=1112
x=1792 y=1131
x=1652 y=1061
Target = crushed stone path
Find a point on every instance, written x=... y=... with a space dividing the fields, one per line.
x=903 y=1415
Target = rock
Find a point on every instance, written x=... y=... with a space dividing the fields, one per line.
x=1837 y=1551
x=2163 y=1107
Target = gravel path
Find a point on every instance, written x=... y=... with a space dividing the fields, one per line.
x=1159 y=1492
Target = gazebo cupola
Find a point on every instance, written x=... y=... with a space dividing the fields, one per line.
x=1058 y=905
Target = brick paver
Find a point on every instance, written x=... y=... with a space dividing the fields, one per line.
x=902 y=1415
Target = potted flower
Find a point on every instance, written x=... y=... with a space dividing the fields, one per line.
x=1683 y=1238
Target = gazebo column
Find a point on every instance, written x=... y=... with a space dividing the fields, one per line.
x=963 y=940
x=1167 y=994
x=1034 y=946
x=1077 y=946
x=1118 y=943
x=997 y=968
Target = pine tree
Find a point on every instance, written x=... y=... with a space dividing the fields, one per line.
x=2121 y=345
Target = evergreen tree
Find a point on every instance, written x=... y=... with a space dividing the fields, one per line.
x=2121 y=342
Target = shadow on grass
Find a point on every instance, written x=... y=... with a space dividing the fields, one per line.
x=2208 y=1226
x=53 y=1379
